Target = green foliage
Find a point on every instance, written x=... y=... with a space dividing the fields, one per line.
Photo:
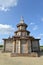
x=41 y=47
x=1 y=45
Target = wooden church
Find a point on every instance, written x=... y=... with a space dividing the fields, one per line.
x=21 y=42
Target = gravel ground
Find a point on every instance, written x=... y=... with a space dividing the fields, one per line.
x=5 y=59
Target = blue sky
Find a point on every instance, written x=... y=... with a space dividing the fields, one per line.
x=12 y=10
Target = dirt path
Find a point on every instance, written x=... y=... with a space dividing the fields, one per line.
x=5 y=59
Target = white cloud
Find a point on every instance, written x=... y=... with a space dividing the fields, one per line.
x=41 y=19
x=1 y=42
x=32 y=23
x=35 y=27
x=4 y=9
x=40 y=35
x=5 y=5
x=6 y=29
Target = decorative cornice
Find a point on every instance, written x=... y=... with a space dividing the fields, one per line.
x=22 y=24
x=22 y=31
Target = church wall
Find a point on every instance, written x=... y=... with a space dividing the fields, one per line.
x=24 y=46
x=35 y=45
x=23 y=33
x=22 y=28
x=17 y=46
x=9 y=45
x=29 y=46
x=19 y=33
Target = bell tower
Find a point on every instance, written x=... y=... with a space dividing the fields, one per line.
x=22 y=28
x=21 y=25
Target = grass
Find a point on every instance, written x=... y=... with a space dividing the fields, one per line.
x=1 y=45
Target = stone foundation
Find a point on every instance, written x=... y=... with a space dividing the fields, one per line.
x=25 y=55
